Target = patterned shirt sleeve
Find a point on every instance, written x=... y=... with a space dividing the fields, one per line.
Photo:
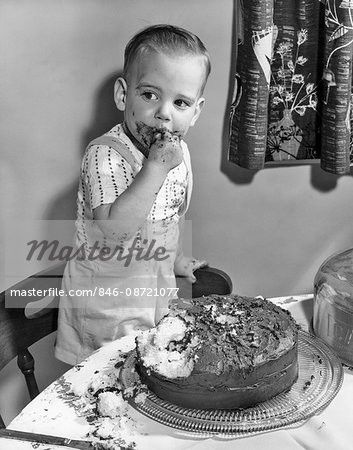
x=106 y=175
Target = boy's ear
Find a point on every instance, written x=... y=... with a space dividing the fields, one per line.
x=199 y=106
x=120 y=89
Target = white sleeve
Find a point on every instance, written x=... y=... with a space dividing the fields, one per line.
x=106 y=175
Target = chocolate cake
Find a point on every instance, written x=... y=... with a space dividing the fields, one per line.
x=219 y=352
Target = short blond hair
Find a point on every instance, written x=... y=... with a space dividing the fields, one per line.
x=165 y=39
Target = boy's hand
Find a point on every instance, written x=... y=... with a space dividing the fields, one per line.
x=166 y=150
x=185 y=266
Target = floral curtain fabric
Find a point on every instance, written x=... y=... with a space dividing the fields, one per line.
x=293 y=90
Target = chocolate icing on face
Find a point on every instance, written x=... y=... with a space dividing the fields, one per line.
x=148 y=134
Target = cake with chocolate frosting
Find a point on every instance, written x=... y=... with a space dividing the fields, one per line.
x=220 y=352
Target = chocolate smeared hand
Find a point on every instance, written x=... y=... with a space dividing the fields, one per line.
x=164 y=146
x=148 y=134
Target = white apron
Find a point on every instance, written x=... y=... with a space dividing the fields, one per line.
x=110 y=295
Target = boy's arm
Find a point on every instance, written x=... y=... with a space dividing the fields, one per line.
x=185 y=266
x=121 y=219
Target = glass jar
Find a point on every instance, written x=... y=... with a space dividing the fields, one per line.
x=333 y=304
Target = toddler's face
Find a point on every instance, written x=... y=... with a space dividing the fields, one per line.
x=162 y=92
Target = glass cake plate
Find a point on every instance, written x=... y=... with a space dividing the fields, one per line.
x=320 y=378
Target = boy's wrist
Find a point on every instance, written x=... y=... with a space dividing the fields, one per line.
x=156 y=168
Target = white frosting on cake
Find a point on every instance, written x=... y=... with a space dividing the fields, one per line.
x=157 y=348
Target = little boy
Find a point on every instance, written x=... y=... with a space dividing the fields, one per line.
x=135 y=187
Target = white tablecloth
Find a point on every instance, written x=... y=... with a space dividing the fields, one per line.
x=57 y=412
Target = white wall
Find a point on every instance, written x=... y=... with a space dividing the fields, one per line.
x=269 y=230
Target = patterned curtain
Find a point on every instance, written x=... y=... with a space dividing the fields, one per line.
x=293 y=90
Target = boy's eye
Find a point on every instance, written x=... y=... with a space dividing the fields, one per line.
x=181 y=103
x=149 y=95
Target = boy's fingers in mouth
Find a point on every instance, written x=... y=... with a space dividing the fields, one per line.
x=150 y=135
x=165 y=135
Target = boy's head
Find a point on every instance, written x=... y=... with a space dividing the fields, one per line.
x=165 y=72
x=168 y=40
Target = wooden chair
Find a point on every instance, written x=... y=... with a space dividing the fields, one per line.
x=18 y=331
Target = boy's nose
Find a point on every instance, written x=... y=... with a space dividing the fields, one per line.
x=163 y=113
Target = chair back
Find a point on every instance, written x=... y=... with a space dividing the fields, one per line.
x=20 y=328
x=209 y=280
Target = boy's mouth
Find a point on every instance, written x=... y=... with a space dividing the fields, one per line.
x=148 y=134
